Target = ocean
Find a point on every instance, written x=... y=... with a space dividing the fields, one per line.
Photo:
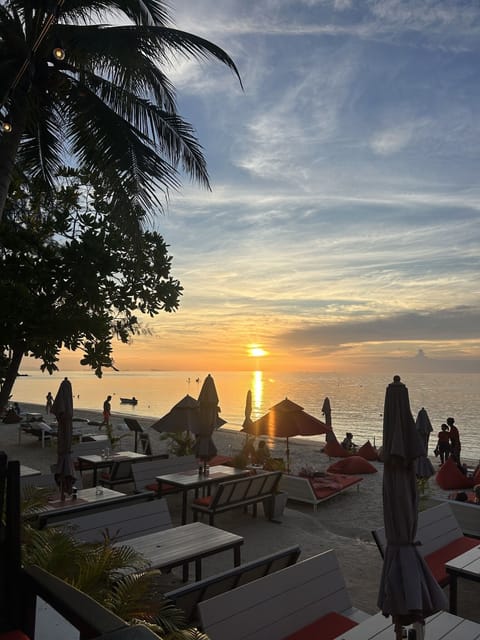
x=356 y=400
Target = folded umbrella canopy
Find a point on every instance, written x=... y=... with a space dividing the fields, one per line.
x=205 y=448
x=62 y=408
x=424 y=467
x=408 y=592
x=285 y=420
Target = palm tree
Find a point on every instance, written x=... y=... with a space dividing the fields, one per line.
x=102 y=100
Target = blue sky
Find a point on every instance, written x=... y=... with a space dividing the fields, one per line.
x=343 y=228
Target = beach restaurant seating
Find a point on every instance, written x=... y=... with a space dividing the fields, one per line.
x=306 y=600
x=316 y=489
x=20 y=587
x=190 y=595
x=440 y=538
x=146 y=470
x=466 y=513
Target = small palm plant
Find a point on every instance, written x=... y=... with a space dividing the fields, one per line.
x=115 y=576
x=181 y=443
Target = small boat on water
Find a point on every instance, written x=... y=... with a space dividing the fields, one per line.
x=129 y=400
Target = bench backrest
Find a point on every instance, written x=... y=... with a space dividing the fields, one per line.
x=244 y=488
x=89 y=448
x=45 y=481
x=122 y=522
x=437 y=527
x=145 y=472
x=466 y=514
x=279 y=604
x=188 y=597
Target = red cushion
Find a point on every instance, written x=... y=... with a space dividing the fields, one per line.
x=13 y=635
x=327 y=627
x=216 y=460
x=335 y=450
x=205 y=501
x=449 y=476
x=165 y=487
x=352 y=465
x=436 y=560
x=476 y=476
x=105 y=475
x=367 y=451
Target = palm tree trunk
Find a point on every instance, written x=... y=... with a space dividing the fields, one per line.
x=11 y=373
x=9 y=143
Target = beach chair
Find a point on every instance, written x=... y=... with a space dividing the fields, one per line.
x=308 y=599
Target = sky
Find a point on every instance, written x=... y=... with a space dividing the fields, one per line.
x=342 y=232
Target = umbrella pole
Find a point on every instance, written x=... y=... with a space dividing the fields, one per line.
x=288 y=457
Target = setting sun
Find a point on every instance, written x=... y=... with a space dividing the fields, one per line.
x=256 y=351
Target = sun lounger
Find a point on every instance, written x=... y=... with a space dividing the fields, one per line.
x=317 y=489
x=440 y=538
x=309 y=599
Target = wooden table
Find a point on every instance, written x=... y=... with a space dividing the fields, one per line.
x=84 y=497
x=179 y=546
x=440 y=626
x=467 y=566
x=96 y=462
x=187 y=480
x=28 y=471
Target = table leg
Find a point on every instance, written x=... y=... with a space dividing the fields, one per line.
x=184 y=507
x=236 y=555
x=453 y=591
x=185 y=572
x=198 y=569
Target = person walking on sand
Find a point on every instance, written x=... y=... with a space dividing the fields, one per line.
x=443 y=445
x=455 y=444
x=107 y=411
x=49 y=405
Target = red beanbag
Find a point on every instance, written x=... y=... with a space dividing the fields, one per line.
x=449 y=476
x=351 y=466
x=367 y=451
x=335 y=450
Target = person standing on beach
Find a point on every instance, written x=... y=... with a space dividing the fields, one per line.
x=443 y=445
x=107 y=411
x=455 y=445
x=48 y=408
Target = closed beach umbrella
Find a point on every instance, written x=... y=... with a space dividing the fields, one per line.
x=424 y=429
x=62 y=408
x=285 y=420
x=408 y=591
x=205 y=448
x=248 y=410
x=327 y=412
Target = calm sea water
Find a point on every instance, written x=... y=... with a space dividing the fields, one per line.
x=356 y=401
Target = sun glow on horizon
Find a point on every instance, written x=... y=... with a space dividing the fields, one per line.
x=255 y=351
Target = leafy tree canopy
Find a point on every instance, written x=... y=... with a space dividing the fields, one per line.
x=72 y=277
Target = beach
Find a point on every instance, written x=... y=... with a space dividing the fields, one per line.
x=343 y=523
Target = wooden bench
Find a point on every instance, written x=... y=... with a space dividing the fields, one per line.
x=306 y=490
x=121 y=522
x=189 y=596
x=308 y=598
x=145 y=472
x=466 y=513
x=238 y=493
x=440 y=537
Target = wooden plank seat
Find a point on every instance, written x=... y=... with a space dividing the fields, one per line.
x=306 y=600
x=146 y=471
x=189 y=596
x=317 y=489
x=440 y=538
x=237 y=493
